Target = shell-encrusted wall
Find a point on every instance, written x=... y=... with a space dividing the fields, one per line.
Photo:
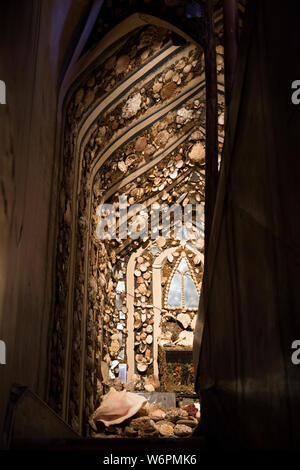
x=143 y=115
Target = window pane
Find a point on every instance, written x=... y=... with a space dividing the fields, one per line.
x=191 y=298
x=181 y=234
x=182 y=266
x=174 y=297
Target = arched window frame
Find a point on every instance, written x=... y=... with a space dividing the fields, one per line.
x=168 y=285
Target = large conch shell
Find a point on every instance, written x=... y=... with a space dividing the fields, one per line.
x=118 y=406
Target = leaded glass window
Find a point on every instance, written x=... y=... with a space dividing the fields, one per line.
x=182 y=291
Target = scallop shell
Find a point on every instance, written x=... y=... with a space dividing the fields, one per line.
x=168 y=90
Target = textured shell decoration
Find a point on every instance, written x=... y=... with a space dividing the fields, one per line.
x=116 y=407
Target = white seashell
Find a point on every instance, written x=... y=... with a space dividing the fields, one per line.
x=143 y=317
x=149 y=339
x=180 y=65
x=184 y=115
x=197 y=154
x=174 y=175
x=169 y=75
x=196 y=135
x=220 y=49
x=187 y=68
x=116 y=407
x=185 y=338
x=132 y=106
x=122 y=166
x=142 y=368
x=143 y=268
x=221 y=119
x=184 y=319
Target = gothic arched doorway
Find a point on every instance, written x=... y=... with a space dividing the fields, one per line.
x=134 y=129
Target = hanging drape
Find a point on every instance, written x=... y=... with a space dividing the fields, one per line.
x=250 y=307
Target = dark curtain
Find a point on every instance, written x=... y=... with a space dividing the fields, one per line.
x=250 y=307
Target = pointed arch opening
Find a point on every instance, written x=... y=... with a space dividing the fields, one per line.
x=134 y=119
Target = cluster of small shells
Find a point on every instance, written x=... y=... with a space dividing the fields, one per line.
x=115 y=322
x=153 y=420
x=143 y=314
x=135 y=105
x=117 y=67
x=156 y=138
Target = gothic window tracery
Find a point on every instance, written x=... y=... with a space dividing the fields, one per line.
x=182 y=292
